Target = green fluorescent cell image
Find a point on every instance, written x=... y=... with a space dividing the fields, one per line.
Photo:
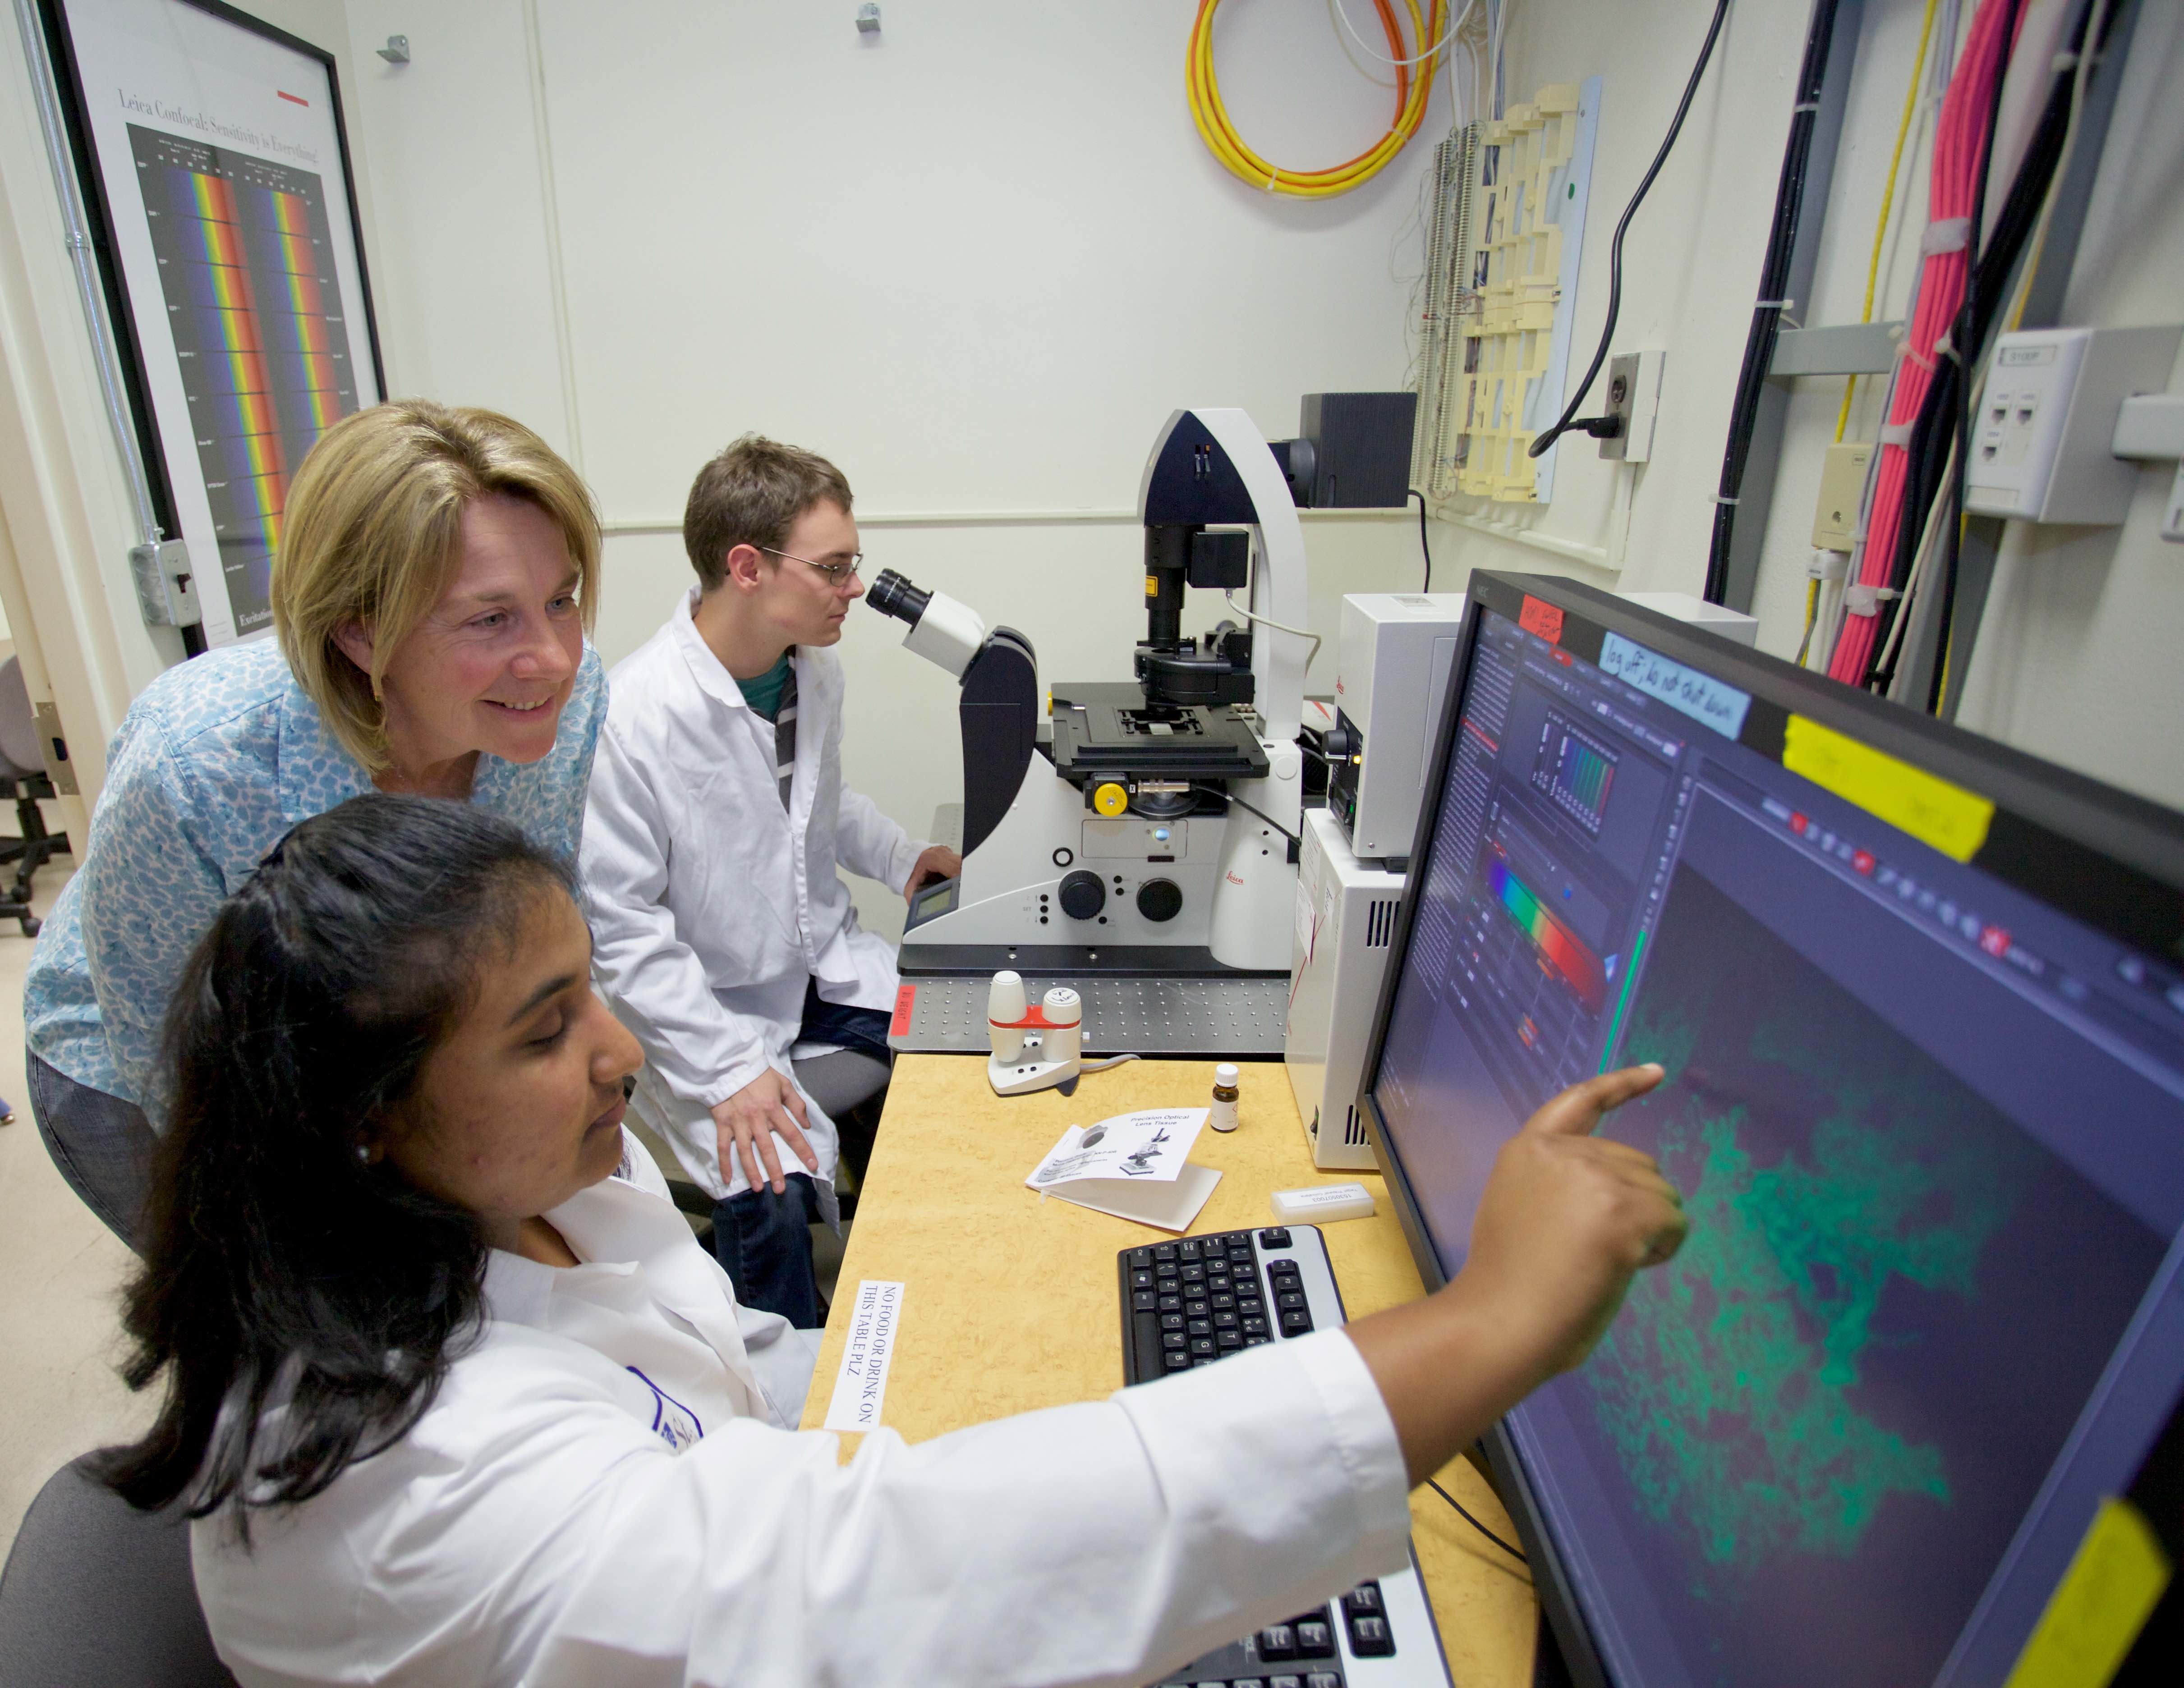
x=1820 y=1405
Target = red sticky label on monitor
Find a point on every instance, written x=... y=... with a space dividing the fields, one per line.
x=905 y=999
x=1542 y=619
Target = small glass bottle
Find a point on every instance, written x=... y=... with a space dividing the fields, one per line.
x=1223 y=1117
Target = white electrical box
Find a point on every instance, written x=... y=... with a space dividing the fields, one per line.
x=2040 y=449
x=1715 y=618
x=1394 y=653
x=1345 y=921
x=1633 y=397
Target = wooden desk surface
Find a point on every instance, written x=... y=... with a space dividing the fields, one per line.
x=1010 y=1301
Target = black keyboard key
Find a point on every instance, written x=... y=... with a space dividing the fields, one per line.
x=1228 y=1341
x=1315 y=1640
x=1274 y=1237
x=1176 y=1360
x=1252 y=1326
x=1173 y=1338
x=1171 y=1304
x=1245 y=1304
x=1201 y=1326
x=1223 y=1304
x=1142 y=1258
x=1143 y=1300
x=1225 y=1321
x=1290 y=1299
x=1277 y=1640
x=1187 y=1250
x=1171 y=1321
x=1198 y=1307
x=1369 y=1638
x=1193 y=1272
x=1322 y=1679
x=1256 y=1342
x=1141 y=1280
x=1202 y=1346
x=1164 y=1251
x=1363 y=1600
x=1295 y=1323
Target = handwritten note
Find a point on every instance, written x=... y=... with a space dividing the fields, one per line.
x=861 y=1386
x=1700 y=696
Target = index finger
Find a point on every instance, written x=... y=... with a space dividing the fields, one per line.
x=1577 y=1110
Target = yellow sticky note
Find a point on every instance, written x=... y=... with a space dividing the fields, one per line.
x=2097 y=1611
x=1951 y=819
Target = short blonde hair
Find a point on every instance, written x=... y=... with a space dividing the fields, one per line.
x=372 y=535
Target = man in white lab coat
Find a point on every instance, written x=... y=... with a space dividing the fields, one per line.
x=723 y=935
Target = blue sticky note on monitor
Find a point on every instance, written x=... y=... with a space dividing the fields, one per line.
x=1700 y=696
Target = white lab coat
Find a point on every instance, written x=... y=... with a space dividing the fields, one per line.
x=710 y=904
x=595 y=1497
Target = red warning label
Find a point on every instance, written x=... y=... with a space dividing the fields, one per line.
x=905 y=999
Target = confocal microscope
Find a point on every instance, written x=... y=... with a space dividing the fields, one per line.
x=1136 y=840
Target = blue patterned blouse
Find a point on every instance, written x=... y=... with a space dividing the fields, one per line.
x=214 y=763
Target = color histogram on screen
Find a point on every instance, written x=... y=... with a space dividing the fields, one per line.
x=246 y=263
x=1575 y=772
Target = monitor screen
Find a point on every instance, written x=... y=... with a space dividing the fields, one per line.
x=1928 y=1125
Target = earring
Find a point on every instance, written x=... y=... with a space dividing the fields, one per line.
x=363 y=1154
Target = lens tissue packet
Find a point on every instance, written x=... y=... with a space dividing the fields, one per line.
x=1134 y=1166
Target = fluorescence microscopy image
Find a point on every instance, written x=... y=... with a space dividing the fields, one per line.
x=1823 y=1421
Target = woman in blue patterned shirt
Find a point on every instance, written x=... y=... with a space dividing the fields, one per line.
x=437 y=573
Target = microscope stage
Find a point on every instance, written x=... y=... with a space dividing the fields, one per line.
x=1101 y=731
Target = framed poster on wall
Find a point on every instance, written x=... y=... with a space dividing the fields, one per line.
x=215 y=173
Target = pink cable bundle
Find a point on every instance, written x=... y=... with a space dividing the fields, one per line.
x=1959 y=138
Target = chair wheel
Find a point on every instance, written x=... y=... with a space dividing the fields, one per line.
x=31 y=925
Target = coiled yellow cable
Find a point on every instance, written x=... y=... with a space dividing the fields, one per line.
x=1221 y=140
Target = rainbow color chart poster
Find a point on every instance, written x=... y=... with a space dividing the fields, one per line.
x=255 y=308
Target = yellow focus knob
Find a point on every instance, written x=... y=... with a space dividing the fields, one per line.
x=1111 y=799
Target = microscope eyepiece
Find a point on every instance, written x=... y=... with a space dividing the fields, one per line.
x=892 y=595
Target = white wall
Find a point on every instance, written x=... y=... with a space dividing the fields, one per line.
x=977 y=262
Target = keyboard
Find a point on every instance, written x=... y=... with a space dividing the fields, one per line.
x=1192 y=1302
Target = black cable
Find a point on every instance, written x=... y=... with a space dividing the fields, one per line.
x=1422 y=546
x=1475 y=1524
x=1774 y=287
x=1231 y=796
x=1615 y=250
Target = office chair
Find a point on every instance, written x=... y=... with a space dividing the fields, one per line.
x=97 y=1593
x=22 y=778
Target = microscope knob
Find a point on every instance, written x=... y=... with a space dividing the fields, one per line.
x=1160 y=900
x=1110 y=799
x=1083 y=895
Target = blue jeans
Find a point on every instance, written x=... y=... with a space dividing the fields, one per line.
x=101 y=1145
x=763 y=1242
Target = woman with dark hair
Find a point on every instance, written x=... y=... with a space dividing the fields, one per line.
x=452 y=1402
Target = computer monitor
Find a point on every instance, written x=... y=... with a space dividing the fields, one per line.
x=1921 y=1003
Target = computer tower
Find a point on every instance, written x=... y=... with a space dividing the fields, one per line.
x=1394 y=651
x=1345 y=916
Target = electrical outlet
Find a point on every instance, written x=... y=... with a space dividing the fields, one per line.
x=1842 y=490
x=1633 y=397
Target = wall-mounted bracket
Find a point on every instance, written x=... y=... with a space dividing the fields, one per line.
x=397 y=50
x=1840 y=348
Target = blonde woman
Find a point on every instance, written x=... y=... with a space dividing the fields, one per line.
x=438 y=574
